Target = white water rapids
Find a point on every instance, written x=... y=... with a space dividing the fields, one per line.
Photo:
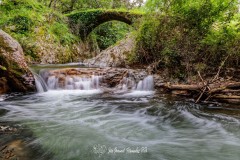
x=77 y=121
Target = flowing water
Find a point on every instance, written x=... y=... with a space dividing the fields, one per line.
x=87 y=123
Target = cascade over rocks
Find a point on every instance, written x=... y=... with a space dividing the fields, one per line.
x=14 y=72
x=73 y=78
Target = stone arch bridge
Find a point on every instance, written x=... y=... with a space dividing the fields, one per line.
x=82 y=23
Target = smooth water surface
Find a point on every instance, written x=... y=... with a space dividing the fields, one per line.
x=86 y=125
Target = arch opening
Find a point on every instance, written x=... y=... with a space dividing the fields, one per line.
x=104 y=18
x=83 y=23
x=109 y=33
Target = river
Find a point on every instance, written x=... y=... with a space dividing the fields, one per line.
x=138 y=125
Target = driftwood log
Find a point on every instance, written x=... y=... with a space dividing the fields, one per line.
x=226 y=91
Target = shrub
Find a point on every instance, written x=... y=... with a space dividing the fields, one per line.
x=185 y=34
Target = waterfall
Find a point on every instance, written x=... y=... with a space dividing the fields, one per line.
x=129 y=83
x=83 y=79
x=73 y=82
x=63 y=81
x=40 y=84
x=147 y=84
x=144 y=87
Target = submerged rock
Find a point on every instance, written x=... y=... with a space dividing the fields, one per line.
x=18 y=142
x=3 y=112
x=13 y=67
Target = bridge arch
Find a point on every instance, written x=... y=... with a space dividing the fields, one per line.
x=83 y=23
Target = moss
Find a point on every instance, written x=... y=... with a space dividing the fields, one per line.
x=3 y=68
x=16 y=73
x=85 y=17
x=57 y=29
x=30 y=23
x=84 y=22
x=91 y=15
x=22 y=24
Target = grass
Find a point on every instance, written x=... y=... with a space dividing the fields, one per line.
x=29 y=22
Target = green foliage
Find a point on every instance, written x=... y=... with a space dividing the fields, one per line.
x=189 y=35
x=61 y=33
x=29 y=21
x=184 y=35
x=85 y=17
x=37 y=23
x=84 y=22
x=147 y=38
x=3 y=68
x=22 y=24
x=223 y=41
x=90 y=15
x=109 y=33
x=67 y=6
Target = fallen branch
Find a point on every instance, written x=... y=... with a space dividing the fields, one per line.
x=217 y=90
x=219 y=69
x=230 y=91
x=183 y=87
x=233 y=85
x=225 y=97
x=205 y=88
x=225 y=87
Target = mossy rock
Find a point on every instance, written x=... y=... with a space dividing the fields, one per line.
x=17 y=74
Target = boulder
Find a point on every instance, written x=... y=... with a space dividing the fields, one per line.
x=13 y=67
x=114 y=56
x=3 y=85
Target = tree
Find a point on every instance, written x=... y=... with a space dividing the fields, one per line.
x=66 y=6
